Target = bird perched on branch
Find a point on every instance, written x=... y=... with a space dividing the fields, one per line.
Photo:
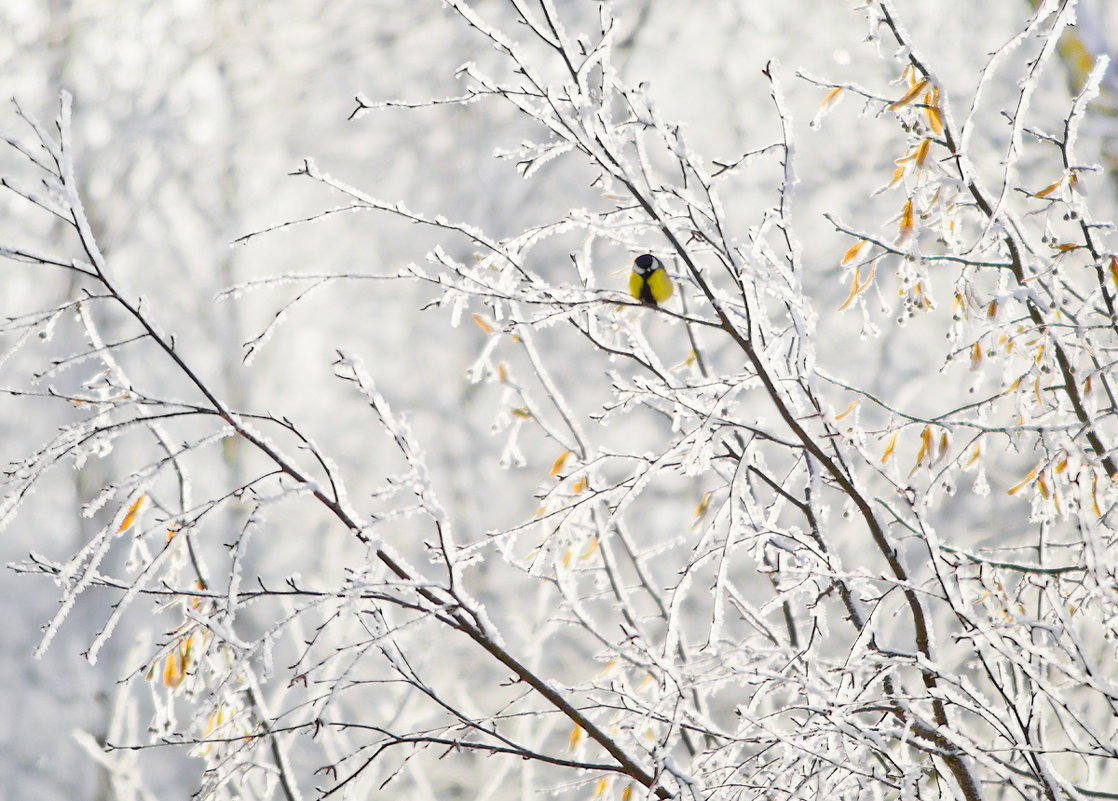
x=649 y=282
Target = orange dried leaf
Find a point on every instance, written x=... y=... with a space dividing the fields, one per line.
x=925 y=445
x=558 y=464
x=848 y=410
x=593 y=546
x=890 y=447
x=1042 y=485
x=1064 y=247
x=1114 y=269
x=852 y=253
x=1025 y=481
x=910 y=95
x=601 y=786
x=503 y=372
x=579 y=485
x=992 y=309
x=627 y=793
x=975 y=356
x=831 y=95
x=130 y=518
x=567 y=557
x=853 y=294
x=1048 y=190
x=1062 y=465
x=484 y=326
x=935 y=119
x=898 y=174
x=857 y=288
x=943 y=446
x=172 y=671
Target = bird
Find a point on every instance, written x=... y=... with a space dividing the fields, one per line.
x=649 y=282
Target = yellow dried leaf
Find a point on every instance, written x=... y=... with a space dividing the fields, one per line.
x=1042 y=485
x=974 y=455
x=848 y=410
x=910 y=95
x=1095 y=494
x=503 y=372
x=1114 y=269
x=889 y=448
x=943 y=447
x=992 y=309
x=522 y=413
x=558 y=464
x=701 y=509
x=1064 y=247
x=566 y=557
x=852 y=253
x=922 y=152
x=1061 y=465
x=593 y=546
x=975 y=356
x=1024 y=481
x=906 y=219
x=130 y=518
x=576 y=736
x=601 y=786
x=484 y=326
x=627 y=793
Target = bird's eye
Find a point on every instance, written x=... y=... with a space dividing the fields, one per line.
x=645 y=261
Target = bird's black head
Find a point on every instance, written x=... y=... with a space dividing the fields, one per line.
x=645 y=264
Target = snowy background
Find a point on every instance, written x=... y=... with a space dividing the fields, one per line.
x=189 y=118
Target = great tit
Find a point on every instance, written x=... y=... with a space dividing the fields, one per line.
x=649 y=282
